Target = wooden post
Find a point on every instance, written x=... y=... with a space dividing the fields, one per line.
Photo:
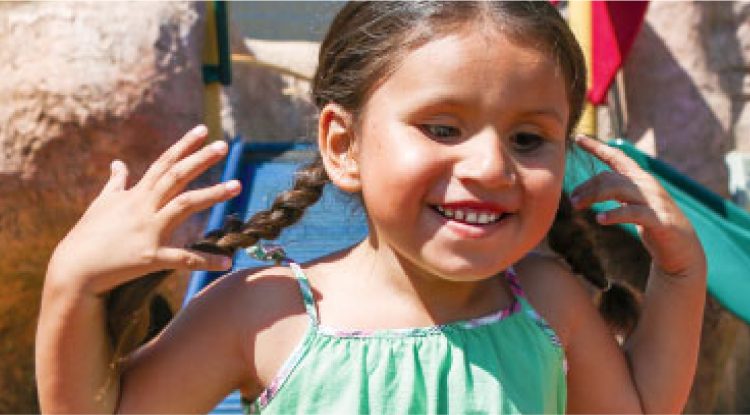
x=579 y=18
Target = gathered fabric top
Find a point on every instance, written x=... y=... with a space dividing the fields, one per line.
x=509 y=361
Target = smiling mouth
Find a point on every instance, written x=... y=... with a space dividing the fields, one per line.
x=470 y=216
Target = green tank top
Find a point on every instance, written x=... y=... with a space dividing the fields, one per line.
x=507 y=362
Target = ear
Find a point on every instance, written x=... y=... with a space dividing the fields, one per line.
x=338 y=147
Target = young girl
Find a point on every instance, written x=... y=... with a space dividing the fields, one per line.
x=451 y=121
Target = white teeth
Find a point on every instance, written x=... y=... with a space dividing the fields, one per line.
x=468 y=215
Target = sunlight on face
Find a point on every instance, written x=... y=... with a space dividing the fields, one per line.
x=462 y=154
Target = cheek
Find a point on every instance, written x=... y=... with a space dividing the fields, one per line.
x=542 y=188
x=395 y=172
x=542 y=191
x=394 y=158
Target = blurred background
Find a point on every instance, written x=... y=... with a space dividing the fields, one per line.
x=84 y=83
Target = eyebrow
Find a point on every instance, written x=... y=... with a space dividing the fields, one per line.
x=456 y=100
x=545 y=112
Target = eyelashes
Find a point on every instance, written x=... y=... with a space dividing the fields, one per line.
x=522 y=142
x=441 y=132
x=526 y=142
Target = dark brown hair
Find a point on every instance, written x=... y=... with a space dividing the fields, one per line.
x=362 y=47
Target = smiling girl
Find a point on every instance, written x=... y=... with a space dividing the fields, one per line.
x=451 y=121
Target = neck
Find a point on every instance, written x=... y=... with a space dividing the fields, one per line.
x=443 y=299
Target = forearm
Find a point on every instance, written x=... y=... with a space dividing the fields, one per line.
x=73 y=353
x=663 y=348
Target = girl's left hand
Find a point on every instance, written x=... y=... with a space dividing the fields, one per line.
x=666 y=232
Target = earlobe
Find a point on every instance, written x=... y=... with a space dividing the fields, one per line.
x=338 y=147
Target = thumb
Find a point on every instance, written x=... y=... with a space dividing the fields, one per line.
x=118 y=177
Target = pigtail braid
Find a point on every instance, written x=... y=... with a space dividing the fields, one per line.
x=128 y=305
x=128 y=313
x=571 y=238
x=286 y=210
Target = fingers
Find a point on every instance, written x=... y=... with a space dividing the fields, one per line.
x=118 y=177
x=637 y=214
x=605 y=186
x=190 y=142
x=638 y=192
x=174 y=180
x=185 y=259
x=614 y=158
x=180 y=208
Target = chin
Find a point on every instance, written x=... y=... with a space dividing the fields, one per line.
x=463 y=270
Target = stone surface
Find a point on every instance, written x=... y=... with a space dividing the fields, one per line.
x=673 y=93
x=686 y=84
x=265 y=104
x=80 y=85
x=83 y=83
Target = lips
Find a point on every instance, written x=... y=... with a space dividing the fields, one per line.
x=472 y=213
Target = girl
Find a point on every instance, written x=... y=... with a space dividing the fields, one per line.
x=451 y=122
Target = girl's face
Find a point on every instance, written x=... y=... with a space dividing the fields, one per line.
x=461 y=154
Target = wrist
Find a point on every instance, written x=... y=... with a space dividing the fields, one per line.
x=697 y=268
x=692 y=279
x=63 y=279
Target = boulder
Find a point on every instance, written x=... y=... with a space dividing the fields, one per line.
x=269 y=97
x=686 y=88
x=81 y=84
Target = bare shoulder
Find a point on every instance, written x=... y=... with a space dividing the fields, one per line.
x=233 y=334
x=270 y=316
x=555 y=292
x=258 y=297
x=597 y=365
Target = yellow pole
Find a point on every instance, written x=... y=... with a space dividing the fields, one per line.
x=579 y=18
x=212 y=90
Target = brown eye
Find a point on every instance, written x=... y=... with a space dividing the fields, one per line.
x=526 y=142
x=441 y=132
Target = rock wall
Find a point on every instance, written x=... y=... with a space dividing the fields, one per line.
x=83 y=83
x=686 y=88
x=264 y=104
x=80 y=85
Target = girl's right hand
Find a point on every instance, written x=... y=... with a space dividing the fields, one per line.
x=126 y=233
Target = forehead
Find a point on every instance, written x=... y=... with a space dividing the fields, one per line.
x=479 y=68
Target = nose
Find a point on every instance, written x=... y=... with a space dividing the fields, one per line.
x=483 y=159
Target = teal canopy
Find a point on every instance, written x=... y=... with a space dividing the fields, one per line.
x=722 y=226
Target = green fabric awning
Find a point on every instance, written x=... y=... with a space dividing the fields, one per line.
x=722 y=226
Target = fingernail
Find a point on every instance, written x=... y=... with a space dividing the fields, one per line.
x=601 y=217
x=232 y=185
x=219 y=146
x=199 y=130
x=114 y=167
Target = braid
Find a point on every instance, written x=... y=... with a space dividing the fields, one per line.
x=570 y=237
x=286 y=210
x=568 y=227
x=128 y=317
x=128 y=305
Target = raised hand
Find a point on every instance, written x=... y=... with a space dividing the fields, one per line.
x=126 y=233
x=665 y=231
